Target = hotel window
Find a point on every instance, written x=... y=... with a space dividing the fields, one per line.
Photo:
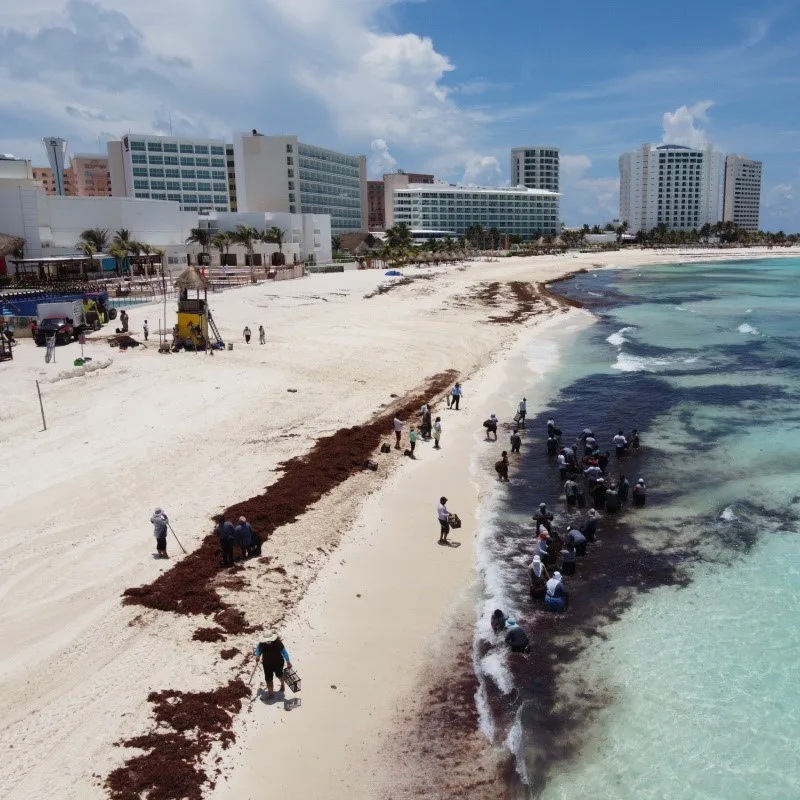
x=221 y=199
x=137 y=146
x=201 y=148
x=204 y=187
x=137 y=158
x=202 y=162
x=205 y=198
x=156 y=159
x=187 y=162
x=217 y=151
x=170 y=147
x=143 y=195
x=173 y=186
x=291 y=184
x=204 y=173
x=220 y=187
x=156 y=173
x=140 y=172
x=175 y=197
x=154 y=147
x=190 y=198
x=159 y=197
x=189 y=186
x=158 y=185
x=218 y=176
x=171 y=160
x=188 y=173
x=141 y=185
x=217 y=162
x=187 y=148
x=172 y=173
x=289 y=160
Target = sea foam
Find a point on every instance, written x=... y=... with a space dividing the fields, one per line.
x=745 y=328
x=618 y=338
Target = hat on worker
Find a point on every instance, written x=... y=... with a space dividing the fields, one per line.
x=269 y=637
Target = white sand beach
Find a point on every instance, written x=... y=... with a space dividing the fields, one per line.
x=365 y=597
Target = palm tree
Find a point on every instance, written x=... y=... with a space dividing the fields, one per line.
x=222 y=241
x=201 y=236
x=88 y=249
x=147 y=249
x=97 y=237
x=246 y=235
x=399 y=236
x=336 y=243
x=119 y=254
x=135 y=249
x=275 y=236
x=122 y=238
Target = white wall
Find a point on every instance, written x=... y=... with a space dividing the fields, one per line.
x=116 y=166
x=261 y=172
x=157 y=222
x=18 y=214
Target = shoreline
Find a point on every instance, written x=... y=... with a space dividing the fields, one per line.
x=155 y=650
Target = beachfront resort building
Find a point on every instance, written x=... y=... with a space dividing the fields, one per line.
x=669 y=184
x=86 y=176
x=516 y=210
x=535 y=167
x=742 y=192
x=190 y=172
x=282 y=174
x=379 y=197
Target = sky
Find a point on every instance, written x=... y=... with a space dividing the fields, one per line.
x=444 y=86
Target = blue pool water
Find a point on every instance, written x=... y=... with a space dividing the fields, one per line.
x=674 y=675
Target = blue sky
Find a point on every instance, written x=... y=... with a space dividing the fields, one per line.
x=447 y=86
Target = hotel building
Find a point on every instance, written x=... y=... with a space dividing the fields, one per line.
x=535 y=167
x=282 y=174
x=680 y=187
x=191 y=172
x=528 y=213
x=742 y=193
x=377 y=195
x=86 y=176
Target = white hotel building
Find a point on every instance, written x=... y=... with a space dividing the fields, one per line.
x=742 y=201
x=678 y=186
x=191 y=172
x=535 y=167
x=528 y=213
x=282 y=174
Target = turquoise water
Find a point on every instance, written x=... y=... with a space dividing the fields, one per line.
x=693 y=691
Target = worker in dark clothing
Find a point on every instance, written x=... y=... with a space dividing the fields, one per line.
x=160 y=522
x=227 y=538
x=243 y=536
x=622 y=488
x=516 y=638
x=639 y=495
x=552 y=445
x=273 y=656
x=578 y=541
x=516 y=441
x=551 y=428
x=571 y=493
x=599 y=493
x=602 y=461
x=613 y=503
x=502 y=467
x=589 y=527
x=634 y=440
x=544 y=517
x=498 y=621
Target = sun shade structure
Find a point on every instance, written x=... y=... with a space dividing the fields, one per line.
x=191 y=278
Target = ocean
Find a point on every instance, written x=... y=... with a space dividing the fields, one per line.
x=674 y=673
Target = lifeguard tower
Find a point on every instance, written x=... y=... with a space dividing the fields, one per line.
x=194 y=317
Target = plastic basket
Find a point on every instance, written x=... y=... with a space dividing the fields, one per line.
x=292 y=679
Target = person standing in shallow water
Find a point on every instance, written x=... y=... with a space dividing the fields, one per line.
x=516 y=441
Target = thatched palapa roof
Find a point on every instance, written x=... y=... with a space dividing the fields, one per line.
x=8 y=244
x=191 y=278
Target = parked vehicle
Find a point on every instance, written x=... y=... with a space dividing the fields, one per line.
x=66 y=321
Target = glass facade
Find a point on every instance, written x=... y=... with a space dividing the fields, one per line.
x=330 y=183
x=190 y=187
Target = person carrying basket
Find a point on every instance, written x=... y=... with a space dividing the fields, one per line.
x=273 y=656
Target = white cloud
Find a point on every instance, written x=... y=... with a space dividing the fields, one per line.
x=681 y=126
x=482 y=170
x=586 y=198
x=381 y=160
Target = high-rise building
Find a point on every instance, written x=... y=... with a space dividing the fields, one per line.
x=673 y=185
x=377 y=195
x=742 y=193
x=56 y=149
x=89 y=175
x=231 y=167
x=280 y=173
x=528 y=213
x=535 y=167
x=192 y=172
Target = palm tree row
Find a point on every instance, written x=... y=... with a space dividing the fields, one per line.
x=96 y=240
x=726 y=232
x=245 y=235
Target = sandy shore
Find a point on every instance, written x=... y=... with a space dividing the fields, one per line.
x=194 y=435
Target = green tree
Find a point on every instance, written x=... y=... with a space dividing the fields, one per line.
x=399 y=237
x=147 y=251
x=122 y=238
x=119 y=254
x=201 y=236
x=222 y=241
x=97 y=237
x=88 y=249
x=247 y=235
x=336 y=243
